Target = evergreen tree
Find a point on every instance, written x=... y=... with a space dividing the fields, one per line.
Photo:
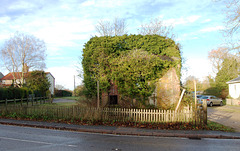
x=228 y=72
x=37 y=81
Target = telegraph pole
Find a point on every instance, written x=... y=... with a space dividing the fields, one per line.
x=74 y=85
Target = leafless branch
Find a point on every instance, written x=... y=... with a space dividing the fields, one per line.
x=116 y=28
x=156 y=27
x=21 y=50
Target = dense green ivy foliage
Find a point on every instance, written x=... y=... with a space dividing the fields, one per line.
x=133 y=63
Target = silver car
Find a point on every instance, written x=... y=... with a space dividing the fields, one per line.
x=211 y=100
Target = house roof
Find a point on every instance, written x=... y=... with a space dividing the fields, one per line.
x=9 y=76
x=236 y=80
x=17 y=75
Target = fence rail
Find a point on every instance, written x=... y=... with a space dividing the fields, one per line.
x=109 y=114
x=30 y=100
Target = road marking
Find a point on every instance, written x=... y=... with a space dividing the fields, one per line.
x=37 y=142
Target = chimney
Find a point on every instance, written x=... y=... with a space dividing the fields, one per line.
x=25 y=68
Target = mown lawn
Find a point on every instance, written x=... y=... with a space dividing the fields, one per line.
x=69 y=98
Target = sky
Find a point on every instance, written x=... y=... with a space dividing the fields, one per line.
x=66 y=25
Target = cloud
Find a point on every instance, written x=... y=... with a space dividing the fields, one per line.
x=4 y=20
x=206 y=20
x=88 y=3
x=211 y=29
x=182 y=21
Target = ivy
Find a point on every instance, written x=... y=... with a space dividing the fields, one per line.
x=134 y=63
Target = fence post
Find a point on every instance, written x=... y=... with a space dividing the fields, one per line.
x=32 y=100
x=21 y=101
x=14 y=102
x=27 y=101
x=6 y=102
x=204 y=105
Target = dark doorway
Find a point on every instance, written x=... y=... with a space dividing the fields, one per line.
x=113 y=99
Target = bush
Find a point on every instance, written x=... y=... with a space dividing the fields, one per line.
x=63 y=93
x=80 y=90
x=17 y=93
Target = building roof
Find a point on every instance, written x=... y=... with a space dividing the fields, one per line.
x=236 y=80
x=17 y=75
x=9 y=76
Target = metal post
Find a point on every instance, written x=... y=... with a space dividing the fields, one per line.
x=195 y=93
x=195 y=97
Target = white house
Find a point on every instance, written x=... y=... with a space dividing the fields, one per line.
x=234 y=88
x=234 y=91
x=51 y=79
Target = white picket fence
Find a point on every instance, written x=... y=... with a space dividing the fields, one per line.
x=108 y=114
x=148 y=115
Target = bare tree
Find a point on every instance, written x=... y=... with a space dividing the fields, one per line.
x=232 y=17
x=232 y=23
x=21 y=52
x=156 y=27
x=216 y=57
x=59 y=87
x=116 y=28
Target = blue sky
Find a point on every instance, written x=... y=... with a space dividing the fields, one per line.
x=66 y=25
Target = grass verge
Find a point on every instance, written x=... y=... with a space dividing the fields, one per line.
x=213 y=126
x=69 y=98
x=218 y=127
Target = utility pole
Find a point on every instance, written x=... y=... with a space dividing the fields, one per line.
x=195 y=92
x=74 y=85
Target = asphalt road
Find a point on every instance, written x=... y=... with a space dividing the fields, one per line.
x=13 y=138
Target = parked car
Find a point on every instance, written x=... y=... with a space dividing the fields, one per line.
x=198 y=96
x=211 y=100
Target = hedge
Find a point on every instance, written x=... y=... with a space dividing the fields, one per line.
x=17 y=93
x=62 y=93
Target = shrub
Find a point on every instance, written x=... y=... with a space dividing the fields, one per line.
x=17 y=93
x=63 y=93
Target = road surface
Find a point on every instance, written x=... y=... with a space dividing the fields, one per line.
x=13 y=138
x=225 y=115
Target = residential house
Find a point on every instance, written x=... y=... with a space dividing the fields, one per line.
x=51 y=79
x=234 y=91
x=8 y=80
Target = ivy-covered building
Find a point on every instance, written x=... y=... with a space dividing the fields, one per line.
x=132 y=70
